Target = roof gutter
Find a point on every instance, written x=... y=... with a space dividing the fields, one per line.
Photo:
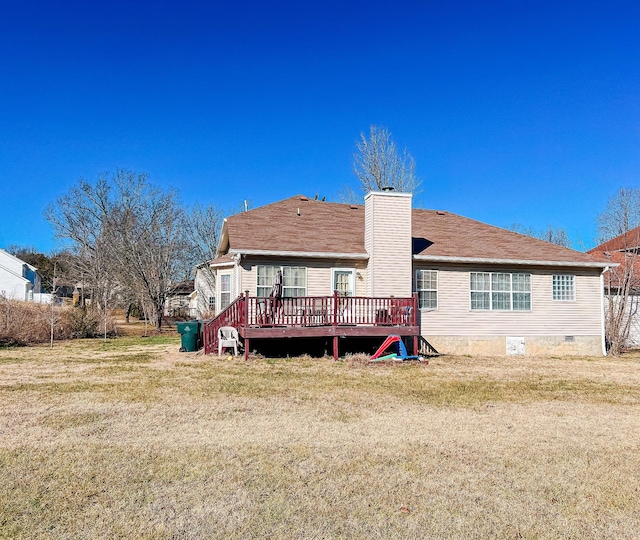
x=519 y=262
x=301 y=254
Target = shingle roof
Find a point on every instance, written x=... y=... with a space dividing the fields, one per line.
x=321 y=227
x=299 y=224
x=623 y=250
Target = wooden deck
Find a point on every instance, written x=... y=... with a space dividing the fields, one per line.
x=316 y=316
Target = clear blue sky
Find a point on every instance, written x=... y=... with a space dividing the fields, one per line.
x=515 y=111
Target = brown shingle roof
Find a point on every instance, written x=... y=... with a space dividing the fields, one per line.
x=323 y=227
x=621 y=250
x=444 y=234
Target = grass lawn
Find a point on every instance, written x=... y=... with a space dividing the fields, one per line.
x=131 y=439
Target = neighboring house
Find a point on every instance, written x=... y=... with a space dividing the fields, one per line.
x=18 y=280
x=202 y=304
x=463 y=286
x=622 y=279
x=178 y=298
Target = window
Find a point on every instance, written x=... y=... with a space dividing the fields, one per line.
x=294 y=280
x=564 y=288
x=500 y=291
x=212 y=304
x=427 y=288
x=266 y=277
x=225 y=290
x=342 y=281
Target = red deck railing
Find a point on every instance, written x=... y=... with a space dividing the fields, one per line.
x=312 y=311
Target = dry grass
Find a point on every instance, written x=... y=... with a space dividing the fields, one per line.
x=130 y=439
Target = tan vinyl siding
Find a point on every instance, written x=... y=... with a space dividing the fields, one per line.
x=318 y=274
x=454 y=316
x=388 y=243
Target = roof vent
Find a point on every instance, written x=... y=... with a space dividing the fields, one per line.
x=303 y=198
x=353 y=206
x=441 y=212
x=388 y=188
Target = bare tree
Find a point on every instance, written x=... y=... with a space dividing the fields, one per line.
x=204 y=226
x=554 y=235
x=619 y=230
x=128 y=237
x=378 y=165
x=621 y=215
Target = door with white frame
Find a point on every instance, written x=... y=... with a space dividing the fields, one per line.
x=343 y=281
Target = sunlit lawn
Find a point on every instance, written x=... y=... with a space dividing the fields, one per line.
x=130 y=439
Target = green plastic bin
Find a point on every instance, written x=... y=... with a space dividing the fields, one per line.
x=190 y=335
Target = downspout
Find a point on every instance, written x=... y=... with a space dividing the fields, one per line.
x=236 y=268
x=602 y=315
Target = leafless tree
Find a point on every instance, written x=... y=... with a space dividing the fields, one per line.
x=554 y=235
x=204 y=226
x=128 y=236
x=619 y=230
x=377 y=164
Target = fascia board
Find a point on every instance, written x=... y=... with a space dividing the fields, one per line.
x=301 y=254
x=515 y=262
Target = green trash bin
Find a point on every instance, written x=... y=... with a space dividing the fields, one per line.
x=190 y=334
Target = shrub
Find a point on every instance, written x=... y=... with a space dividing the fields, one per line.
x=24 y=323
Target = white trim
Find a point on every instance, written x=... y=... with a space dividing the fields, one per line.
x=221 y=264
x=415 y=273
x=602 y=316
x=519 y=262
x=301 y=254
x=388 y=194
x=352 y=282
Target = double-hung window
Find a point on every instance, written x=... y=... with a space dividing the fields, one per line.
x=294 y=280
x=225 y=290
x=500 y=291
x=427 y=288
x=564 y=287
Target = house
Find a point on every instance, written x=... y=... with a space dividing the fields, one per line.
x=18 y=280
x=622 y=283
x=177 y=302
x=433 y=277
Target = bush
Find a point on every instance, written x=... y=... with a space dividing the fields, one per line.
x=24 y=323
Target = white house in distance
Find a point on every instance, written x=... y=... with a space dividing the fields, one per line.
x=18 y=280
x=353 y=271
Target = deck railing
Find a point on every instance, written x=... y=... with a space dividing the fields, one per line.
x=233 y=315
x=310 y=311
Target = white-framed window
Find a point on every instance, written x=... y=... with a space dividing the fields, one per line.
x=564 y=287
x=266 y=277
x=342 y=281
x=427 y=288
x=212 y=304
x=294 y=280
x=500 y=291
x=225 y=290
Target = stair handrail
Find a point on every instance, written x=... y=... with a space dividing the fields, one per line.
x=233 y=315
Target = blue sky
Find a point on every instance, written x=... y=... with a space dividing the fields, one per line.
x=515 y=112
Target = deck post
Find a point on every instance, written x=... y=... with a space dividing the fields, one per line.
x=416 y=346
x=335 y=348
x=245 y=323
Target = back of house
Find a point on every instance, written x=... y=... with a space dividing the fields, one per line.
x=479 y=289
